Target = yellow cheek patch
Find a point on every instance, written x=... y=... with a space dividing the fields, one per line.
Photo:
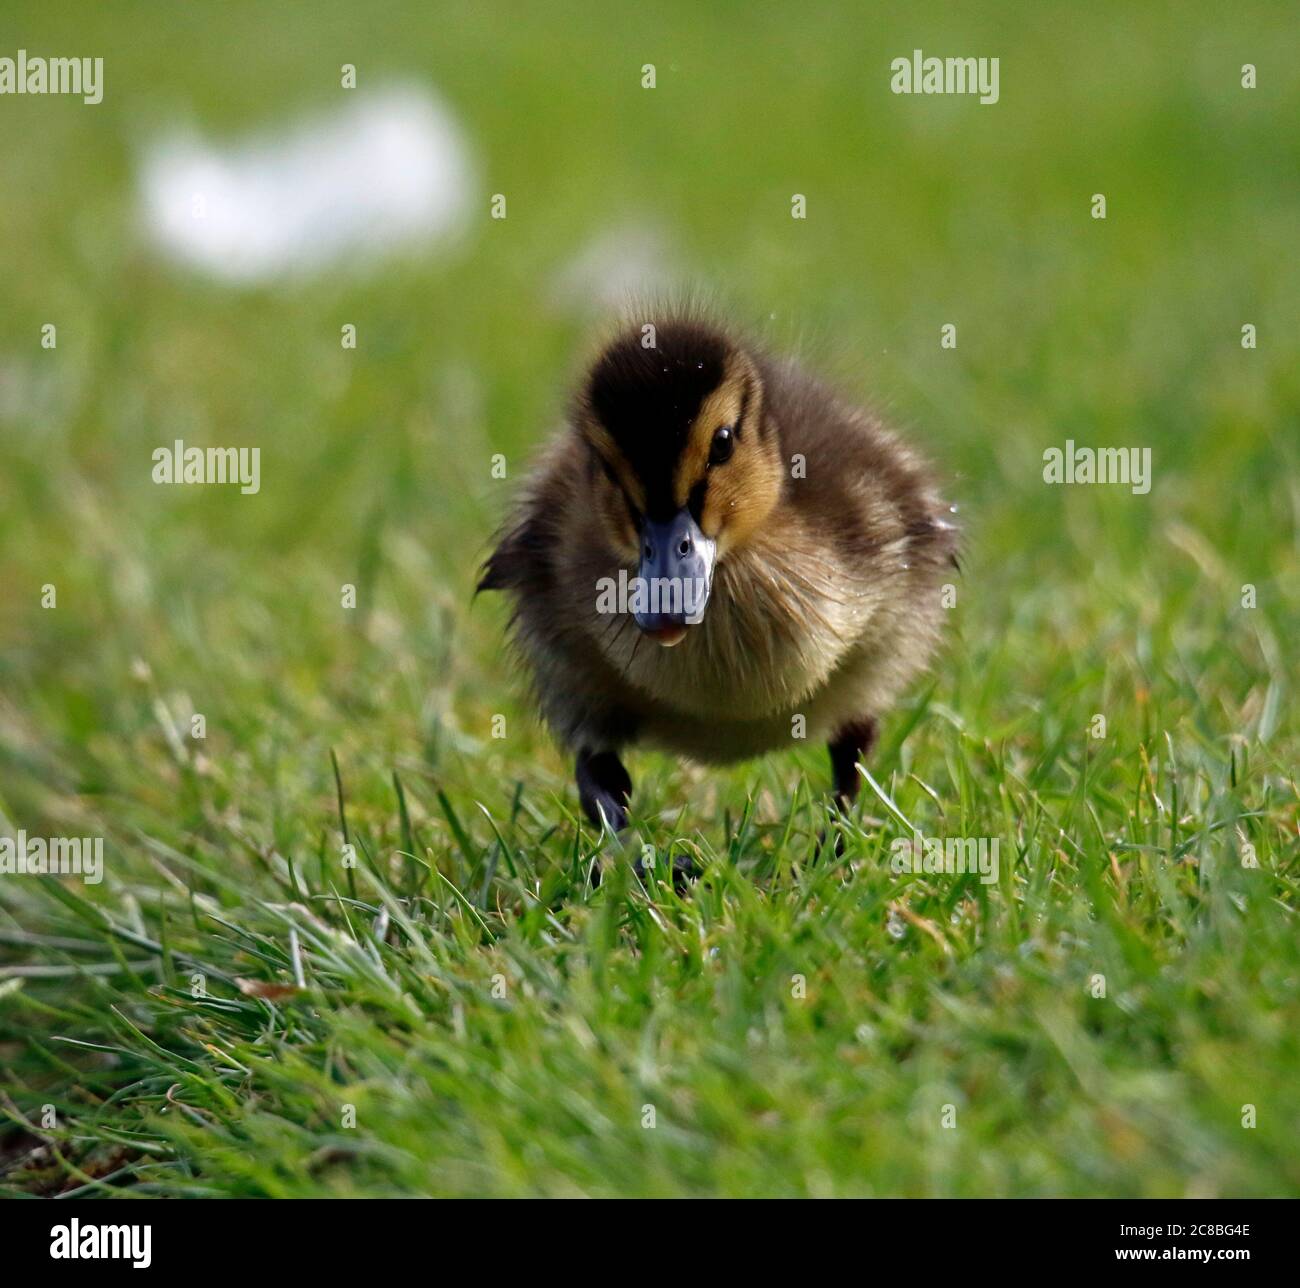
x=721 y=407
x=735 y=508
x=718 y=505
x=609 y=452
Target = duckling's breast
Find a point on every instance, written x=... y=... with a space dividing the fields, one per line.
x=794 y=644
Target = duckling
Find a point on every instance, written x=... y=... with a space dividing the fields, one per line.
x=715 y=556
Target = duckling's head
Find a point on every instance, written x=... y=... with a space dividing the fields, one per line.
x=687 y=465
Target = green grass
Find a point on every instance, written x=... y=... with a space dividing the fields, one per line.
x=499 y=1026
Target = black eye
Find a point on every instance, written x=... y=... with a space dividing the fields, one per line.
x=724 y=442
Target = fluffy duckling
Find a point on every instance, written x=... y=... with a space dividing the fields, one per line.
x=714 y=547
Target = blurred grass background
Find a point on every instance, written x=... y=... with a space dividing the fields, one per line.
x=375 y=471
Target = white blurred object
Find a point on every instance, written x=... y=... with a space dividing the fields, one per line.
x=621 y=265
x=389 y=171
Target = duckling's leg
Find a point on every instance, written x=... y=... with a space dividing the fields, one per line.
x=604 y=787
x=850 y=745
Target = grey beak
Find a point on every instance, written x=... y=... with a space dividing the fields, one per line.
x=677 y=572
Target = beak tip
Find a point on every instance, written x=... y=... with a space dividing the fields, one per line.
x=668 y=636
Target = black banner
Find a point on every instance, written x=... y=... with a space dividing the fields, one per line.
x=176 y=1238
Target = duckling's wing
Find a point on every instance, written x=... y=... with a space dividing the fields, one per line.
x=511 y=565
x=938 y=536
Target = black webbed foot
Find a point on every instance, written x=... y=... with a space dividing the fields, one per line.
x=604 y=788
x=684 y=870
x=850 y=745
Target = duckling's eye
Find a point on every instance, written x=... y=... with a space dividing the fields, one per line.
x=724 y=443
